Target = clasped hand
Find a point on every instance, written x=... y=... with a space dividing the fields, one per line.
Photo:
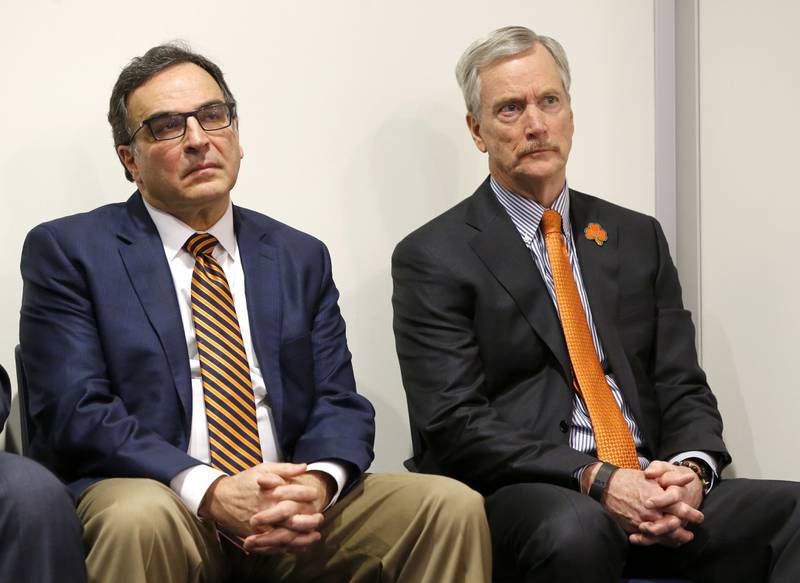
x=276 y=506
x=655 y=506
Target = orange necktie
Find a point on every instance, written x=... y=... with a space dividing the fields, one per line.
x=613 y=438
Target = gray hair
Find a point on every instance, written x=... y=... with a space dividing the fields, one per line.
x=140 y=70
x=498 y=44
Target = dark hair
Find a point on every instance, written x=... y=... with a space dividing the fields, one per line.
x=140 y=70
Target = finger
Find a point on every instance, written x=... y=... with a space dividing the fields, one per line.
x=273 y=515
x=650 y=515
x=282 y=542
x=674 y=539
x=287 y=470
x=268 y=481
x=657 y=468
x=296 y=492
x=676 y=479
x=660 y=527
x=663 y=500
x=303 y=522
x=274 y=539
x=686 y=512
x=274 y=474
x=637 y=538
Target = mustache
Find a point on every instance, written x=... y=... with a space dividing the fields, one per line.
x=531 y=147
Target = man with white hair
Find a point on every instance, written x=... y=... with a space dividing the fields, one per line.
x=550 y=364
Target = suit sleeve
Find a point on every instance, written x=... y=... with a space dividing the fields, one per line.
x=340 y=425
x=444 y=379
x=82 y=429
x=690 y=418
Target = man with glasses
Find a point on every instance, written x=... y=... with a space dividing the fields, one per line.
x=190 y=378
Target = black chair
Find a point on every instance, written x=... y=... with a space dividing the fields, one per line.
x=22 y=393
x=5 y=384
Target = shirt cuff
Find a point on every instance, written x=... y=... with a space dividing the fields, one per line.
x=335 y=470
x=192 y=484
x=700 y=455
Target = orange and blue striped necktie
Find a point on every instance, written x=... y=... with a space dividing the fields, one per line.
x=233 y=440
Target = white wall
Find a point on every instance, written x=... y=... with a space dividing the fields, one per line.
x=351 y=121
x=749 y=123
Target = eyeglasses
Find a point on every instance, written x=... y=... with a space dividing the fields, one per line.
x=168 y=126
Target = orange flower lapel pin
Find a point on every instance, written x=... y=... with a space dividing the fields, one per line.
x=596 y=233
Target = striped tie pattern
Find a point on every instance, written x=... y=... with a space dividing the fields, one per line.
x=613 y=437
x=227 y=389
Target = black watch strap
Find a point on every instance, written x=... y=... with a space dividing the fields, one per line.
x=600 y=484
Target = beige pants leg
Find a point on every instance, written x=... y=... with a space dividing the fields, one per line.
x=139 y=531
x=392 y=528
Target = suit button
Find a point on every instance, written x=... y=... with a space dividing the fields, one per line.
x=563 y=426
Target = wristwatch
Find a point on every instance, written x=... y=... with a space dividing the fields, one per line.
x=701 y=469
x=600 y=484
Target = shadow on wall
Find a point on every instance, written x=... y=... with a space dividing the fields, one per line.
x=732 y=402
x=412 y=170
x=401 y=176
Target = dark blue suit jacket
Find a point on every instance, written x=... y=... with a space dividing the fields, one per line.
x=5 y=397
x=104 y=350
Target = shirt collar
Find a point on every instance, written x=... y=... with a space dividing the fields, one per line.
x=174 y=232
x=526 y=214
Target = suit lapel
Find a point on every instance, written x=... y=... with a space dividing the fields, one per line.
x=263 y=290
x=501 y=249
x=599 y=266
x=143 y=255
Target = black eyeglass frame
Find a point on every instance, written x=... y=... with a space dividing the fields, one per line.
x=231 y=105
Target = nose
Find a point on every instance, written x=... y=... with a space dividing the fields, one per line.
x=195 y=136
x=535 y=124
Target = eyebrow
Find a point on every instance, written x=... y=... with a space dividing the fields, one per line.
x=156 y=114
x=521 y=96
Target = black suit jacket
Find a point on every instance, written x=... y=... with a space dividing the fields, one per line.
x=483 y=356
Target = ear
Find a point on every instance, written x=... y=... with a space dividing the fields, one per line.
x=238 y=138
x=475 y=129
x=128 y=159
x=571 y=122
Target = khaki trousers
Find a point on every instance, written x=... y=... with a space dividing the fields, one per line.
x=403 y=528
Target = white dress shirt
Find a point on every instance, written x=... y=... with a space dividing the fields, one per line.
x=192 y=483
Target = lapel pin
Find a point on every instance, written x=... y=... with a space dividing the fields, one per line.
x=596 y=233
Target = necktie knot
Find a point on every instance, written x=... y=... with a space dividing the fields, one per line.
x=200 y=244
x=551 y=222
